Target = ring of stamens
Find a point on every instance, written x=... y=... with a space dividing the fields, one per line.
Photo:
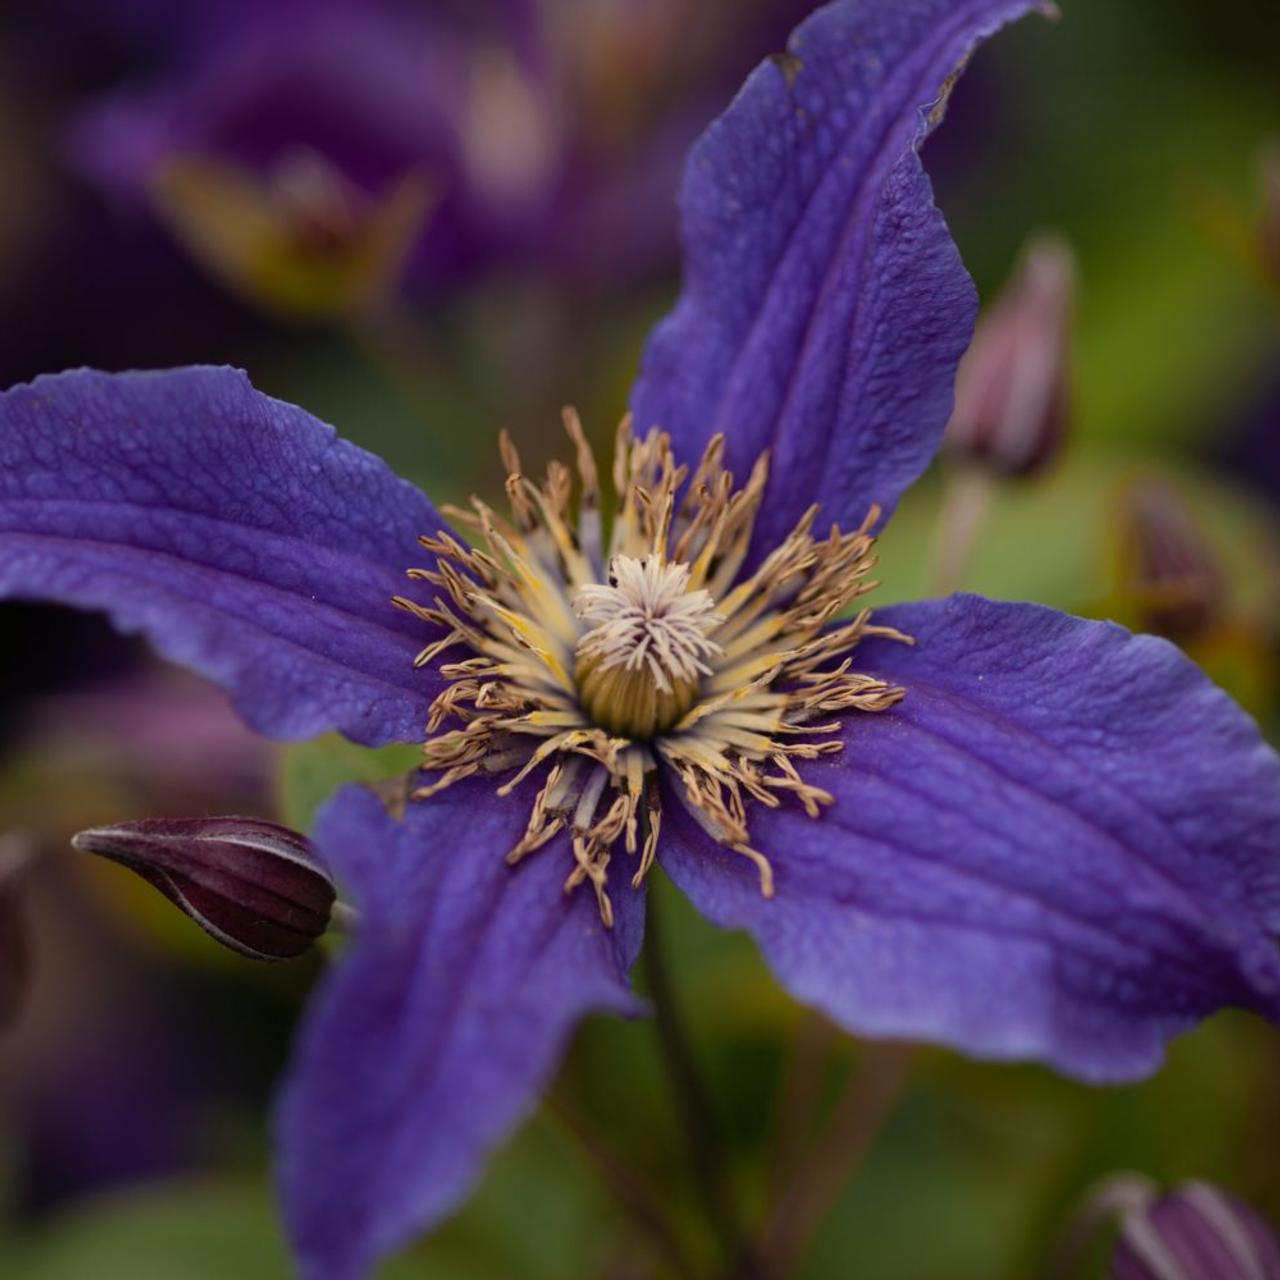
x=599 y=666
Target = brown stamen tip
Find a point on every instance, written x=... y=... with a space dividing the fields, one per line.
x=763 y=866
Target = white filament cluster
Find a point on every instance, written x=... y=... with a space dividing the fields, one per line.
x=646 y=617
x=684 y=667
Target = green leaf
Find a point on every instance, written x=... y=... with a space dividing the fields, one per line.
x=538 y=1215
x=199 y=1230
x=310 y=772
x=538 y=1206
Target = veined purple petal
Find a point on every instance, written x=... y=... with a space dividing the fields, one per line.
x=434 y=1035
x=825 y=307
x=236 y=531
x=1063 y=844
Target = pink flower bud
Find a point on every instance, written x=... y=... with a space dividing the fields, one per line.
x=1013 y=386
x=1170 y=571
x=254 y=886
x=1196 y=1232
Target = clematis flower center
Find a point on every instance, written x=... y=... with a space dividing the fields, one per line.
x=640 y=664
x=600 y=668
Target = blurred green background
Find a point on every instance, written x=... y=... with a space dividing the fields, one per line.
x=1135 y=130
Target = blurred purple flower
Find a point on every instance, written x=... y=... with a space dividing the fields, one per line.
x=1045 y=838
x=166 y=737
x=531 y=124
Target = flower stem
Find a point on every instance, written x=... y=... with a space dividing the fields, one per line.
x=693 y=1104
x=799 y=1099
x=344 y=917
x=632 y=1193
x=856 y=1119
x=964 y=510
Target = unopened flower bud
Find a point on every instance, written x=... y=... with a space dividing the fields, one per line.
x=15 y=856
x=1269 y=219
x=1169 y=572
x=1013 y=386
x=254 y=886
x=1196 y=1232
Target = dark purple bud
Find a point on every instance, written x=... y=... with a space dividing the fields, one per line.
x=1013 y=388
x=15 y=856
x=1196 y=1232
x=1269 y=220
x=1169 y=570
x=254 y=886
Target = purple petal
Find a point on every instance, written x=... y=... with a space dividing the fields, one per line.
x=1064 y=844
x=236 y=531
x=825 y=307
x=443 y=1021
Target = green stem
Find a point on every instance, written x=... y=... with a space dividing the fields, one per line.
x=799 y=1099
x=856 y=1119
x=632 y=1193
x=693 y=1104
x=964 y=511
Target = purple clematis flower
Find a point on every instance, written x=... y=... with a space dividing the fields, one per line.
x=992 y=825
x=511 y=115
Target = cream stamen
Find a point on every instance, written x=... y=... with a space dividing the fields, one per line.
x=676 y=663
